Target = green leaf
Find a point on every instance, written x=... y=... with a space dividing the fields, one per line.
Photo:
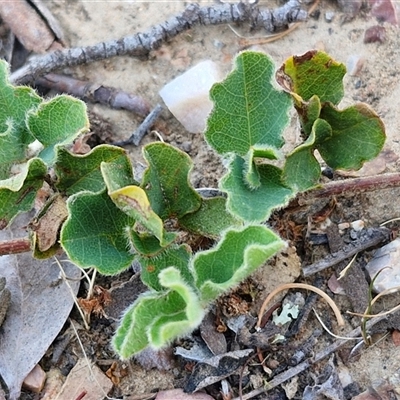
x=133 y=201
x=358 y=135
x=94 y=235
x=238 y=254
x=15 y=137
x=308 y=112
x=211 y=219
x=313 y=73
x=118 y=173
x=166 y=181
x=155 y=318
x=17 y=194
x=257 y=204
x=177 y=257
x=248 y=110
x=76 y=173
x=57 y=121
x=302 y=170
x=144 y=244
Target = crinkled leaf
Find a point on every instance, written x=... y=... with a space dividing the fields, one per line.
x=76 y=173
x=57 y=121
x=133 y=201
x=248 y=110
x=308 y=112
x=358 y=135
x=166 y=181
x=177 y=257
x=313 y=73
x=157 y=318
x=238 y=254
x=94 y=233
x=257 y=204
x=210 y=219
x=15 y=137
x=302 y=170
x=17 y=194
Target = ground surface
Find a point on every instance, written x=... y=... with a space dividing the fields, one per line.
x=375 y=82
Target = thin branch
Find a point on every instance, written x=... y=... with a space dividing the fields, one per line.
x=141 y=44
x=144 y=127
x=372 y=237
x=15 y=246
x=364 y=184
x=95 y=93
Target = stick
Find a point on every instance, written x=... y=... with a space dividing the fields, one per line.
x=364 y=184
x=285 y=376
x=372 y=237
x=141 y=44
x=144 y=127
x=95 y=93
x=15 y=246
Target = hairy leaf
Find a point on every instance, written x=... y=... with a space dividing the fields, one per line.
x=248 y=110
x=133 y=201
x=254 y=204
x=313 y=73
x=57 y=121
x=238 y=254
x=17 y=194
x=358 y=135
x=156 y=318
x=15 y=137
x=82 y=172
x=302 y=170
x=94 y=233
x=166 y=181
x=177 y=257
x=210 y=219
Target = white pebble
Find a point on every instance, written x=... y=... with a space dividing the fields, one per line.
x=187 y=96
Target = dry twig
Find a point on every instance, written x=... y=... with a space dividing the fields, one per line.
x=141 y=44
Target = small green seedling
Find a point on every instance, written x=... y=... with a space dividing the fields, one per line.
x=109 y=220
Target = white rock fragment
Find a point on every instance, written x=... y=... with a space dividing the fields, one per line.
x=387 y=257
x=187 y=96
x=358 y=225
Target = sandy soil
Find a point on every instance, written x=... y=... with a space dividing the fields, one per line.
x=375 y=81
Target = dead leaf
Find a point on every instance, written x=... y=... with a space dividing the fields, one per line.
x=40 y=304
x=91 y=382
x=179 y=394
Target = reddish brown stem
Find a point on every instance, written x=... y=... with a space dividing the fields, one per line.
x=364 y=184
x=15 y=246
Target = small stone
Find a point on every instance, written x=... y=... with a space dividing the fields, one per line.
x=375 y=34
x=329 y=16
x=358 y=225
x=35 y=380
x=187 y=96
x=387 y=260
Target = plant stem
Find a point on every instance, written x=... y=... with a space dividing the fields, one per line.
x=364 y=184
x=15 y=246
x=140 y=44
